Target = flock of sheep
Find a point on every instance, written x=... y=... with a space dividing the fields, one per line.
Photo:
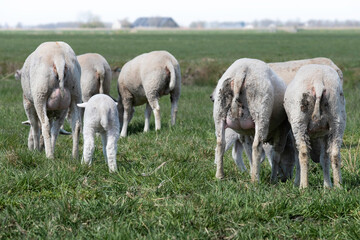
x=288 y=111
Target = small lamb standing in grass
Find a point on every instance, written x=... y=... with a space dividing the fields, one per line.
x=315 y=105
x=145 y=79
x=101 y=116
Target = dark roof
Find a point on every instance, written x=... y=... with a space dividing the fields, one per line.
x=156 y=22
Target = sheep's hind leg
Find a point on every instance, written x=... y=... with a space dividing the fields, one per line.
x=89 y=146
x=147 y=117
x=111 y=149
x=220 y=148
x=336 y=164
x=156 y=109
x=104 y=143
x=126 y=117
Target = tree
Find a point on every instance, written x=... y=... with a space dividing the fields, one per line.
x=90 y=20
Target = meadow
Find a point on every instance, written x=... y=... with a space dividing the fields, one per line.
x=166 y=186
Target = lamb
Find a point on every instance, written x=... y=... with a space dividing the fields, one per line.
x=101 y=116
x=145 y=79
x=315 y=105
x=50 y=79
x=95 y=75
x=248 y=99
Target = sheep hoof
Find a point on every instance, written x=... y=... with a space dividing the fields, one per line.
x=64 y=132
x=220 y=175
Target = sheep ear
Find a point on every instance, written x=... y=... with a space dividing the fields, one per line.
x=18 y=74
x=82 y=105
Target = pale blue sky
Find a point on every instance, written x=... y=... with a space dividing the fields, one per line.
x=33 y=12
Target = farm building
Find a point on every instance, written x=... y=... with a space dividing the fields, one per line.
x=155 y=22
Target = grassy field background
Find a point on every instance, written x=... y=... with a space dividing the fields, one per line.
x=60 y=198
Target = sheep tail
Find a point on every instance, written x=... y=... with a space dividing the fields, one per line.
x=100 y=75
x=60 y=70
x=104 y=121
x=236 y=85
x=171 y=69
x=318 y=90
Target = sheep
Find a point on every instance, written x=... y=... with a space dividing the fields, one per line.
x=315 y=105
x=95 y=75
x=101 y=116
x=145 y=79
x=50 y=79
x=249 y=99
x=286 y=71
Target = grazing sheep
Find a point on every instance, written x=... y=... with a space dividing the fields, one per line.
x=101 y=116
x=249 y=99
x=95 y=75
x=315 y=106
x=145 y=79
x=286 y=71
x=50 y=79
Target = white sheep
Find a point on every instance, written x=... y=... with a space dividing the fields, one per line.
x=95 y=75
x=248 y=99
x=101 y=116
x=315 y=106
x=50 y=79
x=145 y=79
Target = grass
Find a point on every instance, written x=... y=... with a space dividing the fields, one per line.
x=60 y=198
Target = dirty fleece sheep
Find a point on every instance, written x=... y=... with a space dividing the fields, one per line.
x=50 y=79
x=95 y=75
x=315 y=105
x=249 y=100
x=145 y=79
x=101 y=116
x=286 y=71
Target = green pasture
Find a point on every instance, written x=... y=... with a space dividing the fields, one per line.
x=166 y=187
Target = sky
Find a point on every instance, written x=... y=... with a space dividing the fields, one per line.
x=34 y=12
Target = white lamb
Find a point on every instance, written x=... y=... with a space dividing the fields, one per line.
x=315 y=106
x=249 y=99
x=145 y=79
x=50 y=79
x=101 y=116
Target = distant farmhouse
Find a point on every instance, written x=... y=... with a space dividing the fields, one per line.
x=155 y=22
